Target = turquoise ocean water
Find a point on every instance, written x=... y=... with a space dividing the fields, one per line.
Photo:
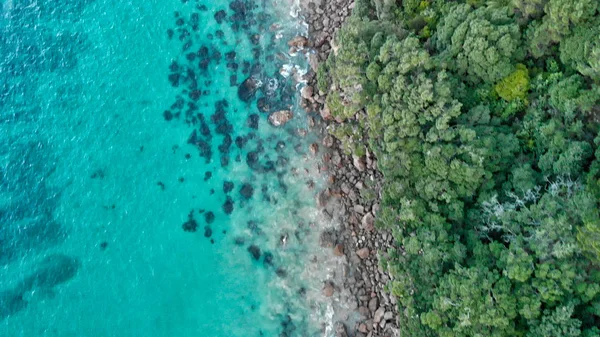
x=140 y=195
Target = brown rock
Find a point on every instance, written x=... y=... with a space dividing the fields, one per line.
x=378 y=315
x=326 y=114
x=298 y=42
x=368 y=221
x=363 y=253
x=328 y=141
x=359 y=163
x=314 y=148
x=338 y=250
x=340 y=330
x=279 y=118
x=328 y=289
x=307 y=92
x=362 y=327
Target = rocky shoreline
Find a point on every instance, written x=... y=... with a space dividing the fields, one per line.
x=352 y=197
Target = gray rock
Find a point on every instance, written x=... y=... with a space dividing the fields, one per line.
x=327 y=239
x=363 y=253
x=340 y=330
x=378 y=315
x=368 y=221
x=373 y=303
x=328 y=141
x=359 y=163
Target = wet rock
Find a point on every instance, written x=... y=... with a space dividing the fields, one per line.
x=340 y=330
x=314 y=148
x=207 y=232
x=207 y=175
x=338 y=250
x=254 y=252
x=328 y=289
x=307 y=92
x=280 y=118
x=327 y=239
x=247 y=191
x=298 y=42
x=322 y=198
x=363 y=253
x=263 y=105
x=248 y=88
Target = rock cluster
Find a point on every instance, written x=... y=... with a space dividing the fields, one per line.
x=354 y=185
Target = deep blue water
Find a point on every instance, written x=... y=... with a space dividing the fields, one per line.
x=139 y=195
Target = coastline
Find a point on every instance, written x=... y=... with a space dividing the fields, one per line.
x=351 y=197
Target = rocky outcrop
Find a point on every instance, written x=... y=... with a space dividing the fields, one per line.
x=279 y=118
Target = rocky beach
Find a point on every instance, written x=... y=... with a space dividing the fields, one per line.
x=351 y=197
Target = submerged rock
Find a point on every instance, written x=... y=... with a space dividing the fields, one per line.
x=207 y=232
x=227 y=186
x=247 y=191
x=254 y=252
x=209 y=217
x=190 y=226
x=228 y=206
x=279 y=118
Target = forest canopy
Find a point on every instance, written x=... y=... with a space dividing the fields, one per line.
x=484 y=118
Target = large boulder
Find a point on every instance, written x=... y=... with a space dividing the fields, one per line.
x=279 y=118
x=298 y=42
x=248 y=88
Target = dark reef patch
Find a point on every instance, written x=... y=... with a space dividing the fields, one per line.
x=220 y=16
x=254 y=252
x=227 y=186
x=207 y=232
x=252 y=121
x=209 y=217
x=247 y=191
x=228 y=205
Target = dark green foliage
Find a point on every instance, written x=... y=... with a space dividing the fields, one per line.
x=484 y=119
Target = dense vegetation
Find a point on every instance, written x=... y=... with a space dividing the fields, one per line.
x=484 y=119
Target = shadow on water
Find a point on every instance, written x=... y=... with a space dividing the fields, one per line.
x=52 y=271
x=26 y=202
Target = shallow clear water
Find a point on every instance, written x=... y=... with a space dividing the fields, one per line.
x=114 y=214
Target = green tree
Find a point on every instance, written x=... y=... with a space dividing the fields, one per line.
x=481 y=44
